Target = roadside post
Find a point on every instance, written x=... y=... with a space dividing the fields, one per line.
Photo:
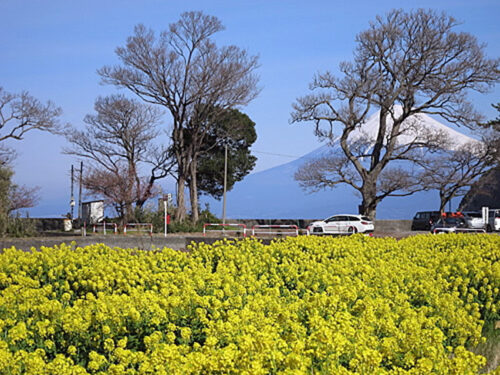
x=166 y=198
x=486 y=212
x=165 y=216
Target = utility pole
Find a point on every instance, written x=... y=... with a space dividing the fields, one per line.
x=72 y=201
x=225 y=183
x=80 y=205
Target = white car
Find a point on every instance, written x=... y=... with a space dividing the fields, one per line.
x=342 y=224
x=474 y=219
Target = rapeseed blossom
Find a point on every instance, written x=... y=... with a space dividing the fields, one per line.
x=305 y=305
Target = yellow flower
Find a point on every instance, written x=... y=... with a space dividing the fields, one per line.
x=71 y=350
x=49 y=344
x=106 y=330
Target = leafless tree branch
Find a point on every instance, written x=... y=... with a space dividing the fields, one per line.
x=22 y=197
x=21 y=113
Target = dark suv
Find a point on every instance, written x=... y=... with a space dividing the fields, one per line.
x=423 y=220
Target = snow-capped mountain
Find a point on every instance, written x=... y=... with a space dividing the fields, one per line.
x=274 y=193
x=414 y=129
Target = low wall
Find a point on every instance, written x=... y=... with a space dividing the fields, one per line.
x=43 y=224
x=380 y=225
x=301 y=223
x=392 y=225
x=48 y=224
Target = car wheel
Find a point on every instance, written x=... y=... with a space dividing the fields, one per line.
x=352 y=230
x=488 y=228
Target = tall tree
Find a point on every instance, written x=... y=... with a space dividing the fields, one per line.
x=235 y=130
x=184 y=71
x=406 y=63
x=116 y=140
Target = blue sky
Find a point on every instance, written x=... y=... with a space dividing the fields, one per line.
x=53 y=49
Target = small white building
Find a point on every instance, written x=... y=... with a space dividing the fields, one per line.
x=93 y=212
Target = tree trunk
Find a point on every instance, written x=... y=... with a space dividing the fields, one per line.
x=129 y=213
x=120 y=208
x=141 y=199
x=443 y=199
x=131 y=192
x=369 y=203
x=180 y=213
x=193 y=192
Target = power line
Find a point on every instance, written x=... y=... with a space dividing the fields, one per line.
x=271 y=153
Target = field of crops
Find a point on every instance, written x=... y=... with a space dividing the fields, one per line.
x=305 y=305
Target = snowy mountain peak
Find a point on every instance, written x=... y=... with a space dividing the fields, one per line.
x=416 y=128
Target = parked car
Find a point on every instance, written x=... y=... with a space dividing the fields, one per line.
x=342 y=224
x=423 y=220
x=449 y=224
x=493 y=220
x=474 y=219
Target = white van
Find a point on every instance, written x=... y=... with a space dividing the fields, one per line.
x=493 y=220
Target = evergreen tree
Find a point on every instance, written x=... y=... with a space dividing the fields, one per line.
x=236 y=130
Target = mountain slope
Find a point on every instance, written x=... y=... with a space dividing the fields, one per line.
x=274 y=193
x=484 y=193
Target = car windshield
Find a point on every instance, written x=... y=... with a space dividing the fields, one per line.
x=453 y=221
x=365 y=218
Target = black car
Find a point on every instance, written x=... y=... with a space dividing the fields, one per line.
x=423 y=220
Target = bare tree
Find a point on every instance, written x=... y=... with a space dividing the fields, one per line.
x=453 y=172
x=404 y=64
x=21 y=113
x=115 y=187
x=184 y=71
x=116 y=140
x=21 y=196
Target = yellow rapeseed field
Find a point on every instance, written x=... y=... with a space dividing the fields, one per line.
x=305 y=305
